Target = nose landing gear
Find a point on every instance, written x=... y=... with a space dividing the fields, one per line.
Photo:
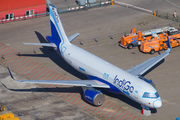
x=145 y=111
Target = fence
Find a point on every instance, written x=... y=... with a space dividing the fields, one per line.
x=134 y=7
x=167 y=16
x=22 y=17
x=89 y=6
x=156 y=13
x=60 y=10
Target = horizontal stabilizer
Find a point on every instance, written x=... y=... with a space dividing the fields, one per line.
x=42 y=44
x=72 y=37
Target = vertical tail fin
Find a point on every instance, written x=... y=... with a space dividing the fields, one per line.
x=57 y=30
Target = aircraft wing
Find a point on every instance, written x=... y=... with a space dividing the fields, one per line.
x=92 y=83
x=72 y=37
x=140 y=69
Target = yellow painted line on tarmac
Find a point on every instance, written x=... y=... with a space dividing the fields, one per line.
x=173 y=98
x=168 y=101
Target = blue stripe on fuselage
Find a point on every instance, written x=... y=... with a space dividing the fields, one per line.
x=112 y=87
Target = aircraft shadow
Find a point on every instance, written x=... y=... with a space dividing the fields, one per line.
x=126 y=100
x=122 y=98
x=33 y=55
x=155 y=66
x=73 y=89
x=55 y=90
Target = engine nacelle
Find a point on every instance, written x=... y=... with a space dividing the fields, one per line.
x=93 y=96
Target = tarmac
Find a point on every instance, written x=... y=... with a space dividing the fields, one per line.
x=66 y=102
x=29 y=102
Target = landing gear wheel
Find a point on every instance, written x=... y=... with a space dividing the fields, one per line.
x=130 y=46
x=152 y=51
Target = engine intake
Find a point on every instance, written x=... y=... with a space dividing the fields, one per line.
x=96 y=97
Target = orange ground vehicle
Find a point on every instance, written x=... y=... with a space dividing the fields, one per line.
x=157 y=44
x=175 y=40
x=135 y=38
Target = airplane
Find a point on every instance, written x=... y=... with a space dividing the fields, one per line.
x=101 y=73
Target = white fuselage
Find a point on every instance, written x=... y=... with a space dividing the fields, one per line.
x=119 y=80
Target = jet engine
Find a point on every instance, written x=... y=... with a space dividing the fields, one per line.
x=95 y=97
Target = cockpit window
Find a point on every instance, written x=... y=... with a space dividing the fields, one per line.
x=150 y=95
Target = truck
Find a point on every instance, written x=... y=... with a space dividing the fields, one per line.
x=135 y=38
x=158 y=44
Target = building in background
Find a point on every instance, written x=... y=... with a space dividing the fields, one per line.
x=11 y=10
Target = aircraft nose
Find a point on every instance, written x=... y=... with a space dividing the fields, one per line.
x=157 y=103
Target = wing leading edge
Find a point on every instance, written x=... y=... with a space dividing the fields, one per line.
x=92 y=83
x=140 y=69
